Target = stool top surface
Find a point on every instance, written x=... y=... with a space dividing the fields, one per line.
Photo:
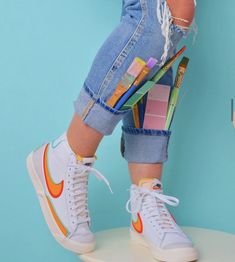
x=114 y=246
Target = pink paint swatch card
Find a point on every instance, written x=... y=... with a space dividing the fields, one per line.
x=156 y=107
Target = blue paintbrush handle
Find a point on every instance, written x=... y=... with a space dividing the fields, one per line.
x=125 y=97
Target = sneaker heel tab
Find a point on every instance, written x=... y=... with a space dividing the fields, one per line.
x=86 y=160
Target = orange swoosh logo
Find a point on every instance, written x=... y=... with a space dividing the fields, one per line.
x=57 y=220
x=55 y=189
x=138 y=225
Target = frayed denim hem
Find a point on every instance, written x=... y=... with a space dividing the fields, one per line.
x=142 y=131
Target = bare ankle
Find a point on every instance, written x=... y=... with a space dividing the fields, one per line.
x=139 y=171
x=83 y=139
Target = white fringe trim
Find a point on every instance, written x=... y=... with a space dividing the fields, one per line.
x=166 y=19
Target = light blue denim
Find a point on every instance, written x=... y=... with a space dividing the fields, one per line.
x=139 y=34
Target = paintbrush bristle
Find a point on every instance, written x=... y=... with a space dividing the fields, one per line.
x=184 y=62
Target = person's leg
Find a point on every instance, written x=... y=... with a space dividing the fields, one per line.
x=139 y=170
x=182 y=13
x=93 y=118
x=83 y=139
x=145 y=151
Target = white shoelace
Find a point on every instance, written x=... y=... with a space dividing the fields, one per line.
x=78 y=193
x=153 y=202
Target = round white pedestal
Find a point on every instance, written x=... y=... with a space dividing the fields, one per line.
x=115 y=246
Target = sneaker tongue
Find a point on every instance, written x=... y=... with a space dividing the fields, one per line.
x=150 y=183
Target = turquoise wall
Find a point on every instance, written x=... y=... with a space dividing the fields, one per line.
x=46 y=50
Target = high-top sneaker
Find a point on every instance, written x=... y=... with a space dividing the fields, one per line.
x=60 y=178
x=153 y=225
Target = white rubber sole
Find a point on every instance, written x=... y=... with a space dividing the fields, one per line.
x=187 y=254
x=77 y=247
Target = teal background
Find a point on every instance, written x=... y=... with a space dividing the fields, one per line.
x=46 y=50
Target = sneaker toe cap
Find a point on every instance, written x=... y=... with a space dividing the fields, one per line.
x=87 y=237
x=175 y=240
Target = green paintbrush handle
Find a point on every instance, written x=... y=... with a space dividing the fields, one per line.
x=172 y=105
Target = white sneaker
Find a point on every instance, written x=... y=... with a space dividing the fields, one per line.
x=60 y=179
x=154 y=227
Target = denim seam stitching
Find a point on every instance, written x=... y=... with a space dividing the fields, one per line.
x=118 y=62
x=126 y=50
x=142 y=131
x=87 y=109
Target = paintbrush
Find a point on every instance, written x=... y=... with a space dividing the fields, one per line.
x=150 y=84
x=175 y=92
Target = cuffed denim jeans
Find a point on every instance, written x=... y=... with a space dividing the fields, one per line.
x=144 y=31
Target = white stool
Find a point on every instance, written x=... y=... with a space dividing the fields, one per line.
x=115 y=246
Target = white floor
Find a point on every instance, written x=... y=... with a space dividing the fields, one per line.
x=115 y=246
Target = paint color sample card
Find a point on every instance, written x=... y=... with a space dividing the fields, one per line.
x=127 y=80
x=133 y=71
x=156 y=107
